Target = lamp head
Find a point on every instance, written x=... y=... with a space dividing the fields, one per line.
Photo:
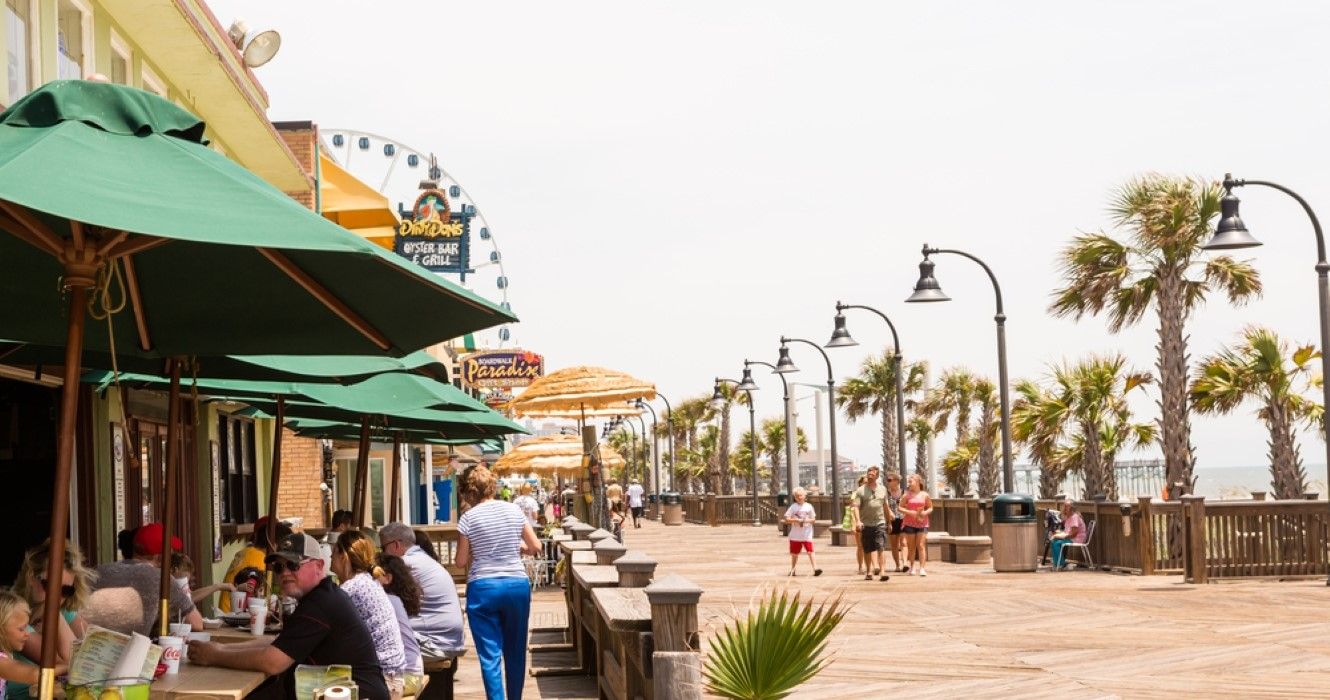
x=840 y=335
x=746 y=383
x=717 y=398
x=785 y=365
x=1231 y=233
x=257 y=46
x=927 y=288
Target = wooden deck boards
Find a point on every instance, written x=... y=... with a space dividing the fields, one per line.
x=965 y=631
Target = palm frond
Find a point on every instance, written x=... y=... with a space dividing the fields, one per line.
x=1239 y=281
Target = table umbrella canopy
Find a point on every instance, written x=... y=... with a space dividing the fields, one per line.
x=451 y=424
x=551 y=453
x=578 y=388
x=339 y=430
x=610 y=411
x=113 y=187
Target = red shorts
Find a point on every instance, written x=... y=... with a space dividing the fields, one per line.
x=797 y=546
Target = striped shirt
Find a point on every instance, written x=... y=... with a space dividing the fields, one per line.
x=494 y=531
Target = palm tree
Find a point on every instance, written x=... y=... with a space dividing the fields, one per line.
x=771 y=440
x=952 y=397
x=985 y=394
x=719 y=467
x=1158 y=265
x=1260 y=367
x=957 y=463
x=920 y=430
x=1038 y=417
x=873 y=392
x=688 y=416
x=1099 y=388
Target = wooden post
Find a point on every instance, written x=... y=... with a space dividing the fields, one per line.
x=674 y=636
x=1193 y=516
x=608 y=550
x=710 y=504
x=275 y=479
x=635 y=570
x=358 y=507
x=173 y=429
x=1145 y=536
x=395 y=490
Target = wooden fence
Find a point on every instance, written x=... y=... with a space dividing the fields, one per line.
x=1245 y=539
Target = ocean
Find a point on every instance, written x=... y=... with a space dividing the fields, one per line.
x=1239 y=482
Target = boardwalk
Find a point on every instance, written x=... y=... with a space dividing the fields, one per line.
x=966 y=631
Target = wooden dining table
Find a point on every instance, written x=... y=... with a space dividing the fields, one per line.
x=205 y=683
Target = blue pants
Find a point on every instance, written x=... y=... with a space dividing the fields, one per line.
x=498 y=609
x=1057 y=552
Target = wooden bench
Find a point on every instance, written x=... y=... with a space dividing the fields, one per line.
x=971 y=549
x=939 y=547
x=439 y=676
x=840 y=537
x=821 y=528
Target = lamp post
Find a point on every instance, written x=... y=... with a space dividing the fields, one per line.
x=669 y=421
x=655 y=452
x=748 y=386
x=790 y=436
x=928 y=290
x=1231 y=234
x=632 y=445
x=785 y=364
x=840 y=338
x=642 y=470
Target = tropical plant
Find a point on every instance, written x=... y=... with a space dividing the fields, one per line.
x=873 y=392
x=771 y=440
x=1038 y=417
x=686 y=418
x=780 y=645
x=920 y=430
x=1261 y=367
x=634 y=451
x=951 y=398
x=957 y=463
x=719 y=466
x=985 y=394
x=1158 y=266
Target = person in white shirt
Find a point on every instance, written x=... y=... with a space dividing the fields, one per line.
x=800 y=517
x=635 y=492
x=530 y=507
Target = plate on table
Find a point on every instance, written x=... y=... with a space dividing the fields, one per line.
x=211 y=623
x=236 y=619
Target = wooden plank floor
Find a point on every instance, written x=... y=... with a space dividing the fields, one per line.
x=967 y=631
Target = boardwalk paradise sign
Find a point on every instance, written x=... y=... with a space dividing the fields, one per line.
x=434 y=237
x=504 y=369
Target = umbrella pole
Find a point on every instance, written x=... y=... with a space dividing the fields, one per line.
x=172 y=481
x=276 y=475
x=77 y=286
x=362 y=474
x=397 y=476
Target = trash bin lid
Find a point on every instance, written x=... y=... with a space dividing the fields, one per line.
x=1013 y=508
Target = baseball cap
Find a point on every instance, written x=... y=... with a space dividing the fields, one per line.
x=297 y=547
x=148 y=540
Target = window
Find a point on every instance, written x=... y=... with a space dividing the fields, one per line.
x=73 y=39
x=121 y=57
x=237 y=482
x=19 y=31
x=152 y=83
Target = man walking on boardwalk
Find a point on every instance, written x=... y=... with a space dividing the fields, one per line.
x=867 y=506
x=635 y=492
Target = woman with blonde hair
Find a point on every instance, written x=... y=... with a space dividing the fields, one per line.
x=915 y=507
x=491 y=538
x=354 y=560
x=75 y=587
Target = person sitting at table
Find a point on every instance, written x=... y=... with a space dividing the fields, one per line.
x=1073 y=530
x=143 y=574
x=325 y=629
x=341 y=522
x=182 y=568
x=31 y=586
x=247 y=571
x=404 y=594
x=353 y=561
x=438 y=627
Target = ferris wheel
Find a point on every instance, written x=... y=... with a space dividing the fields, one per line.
x=401 y=173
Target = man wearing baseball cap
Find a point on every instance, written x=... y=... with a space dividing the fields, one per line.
x=143 y=574
x=325 y=629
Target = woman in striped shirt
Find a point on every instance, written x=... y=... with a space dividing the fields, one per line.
x=492 y=537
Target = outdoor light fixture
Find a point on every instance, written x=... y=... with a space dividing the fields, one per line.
x=784 y=365
x=836 y=503
x=1231 y=233
x=927 y=288
x=840 y=335
x=257 y=47
x=717 y=398
x=747 y=383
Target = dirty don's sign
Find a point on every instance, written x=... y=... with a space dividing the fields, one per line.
x=502 y=369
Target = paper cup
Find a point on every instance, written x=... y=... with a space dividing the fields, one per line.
x=180 y=629
x=237 y=601
x=258 y=616
x=172 y=649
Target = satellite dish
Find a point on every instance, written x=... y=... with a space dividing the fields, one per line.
x=258 y=46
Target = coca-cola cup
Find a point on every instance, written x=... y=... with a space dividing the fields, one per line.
x=172 y=649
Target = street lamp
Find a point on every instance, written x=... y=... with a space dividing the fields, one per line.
x=840 y=338
x=785 y=364
x=927 y=290
x=748 y=386
x=791 y=479
x=669 y=422
x=632 y=444
x=1231 y=233
x=655 y=437
x=642 y=471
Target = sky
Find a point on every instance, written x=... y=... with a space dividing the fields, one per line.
x=676 y=185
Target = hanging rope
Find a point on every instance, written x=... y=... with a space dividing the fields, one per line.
x=103 y=305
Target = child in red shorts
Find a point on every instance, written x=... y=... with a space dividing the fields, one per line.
x=800 y=517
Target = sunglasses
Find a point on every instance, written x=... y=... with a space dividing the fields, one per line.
x=65 y=591
x=279 y=566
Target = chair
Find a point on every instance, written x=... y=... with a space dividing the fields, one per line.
x=1083 y=547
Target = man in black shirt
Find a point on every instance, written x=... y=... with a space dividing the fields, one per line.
x=325 y=629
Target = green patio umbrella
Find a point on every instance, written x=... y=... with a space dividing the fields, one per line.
x=112 y=206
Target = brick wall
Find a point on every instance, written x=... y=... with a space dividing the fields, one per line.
x=301 y=138
x=302 y=472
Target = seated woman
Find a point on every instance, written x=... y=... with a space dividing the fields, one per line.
x=404 y=593
x=248 y=567
x=353 y=560
x=31 y=586
x=1073 y=530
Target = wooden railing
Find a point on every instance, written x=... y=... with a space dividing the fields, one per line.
x=1244 y=539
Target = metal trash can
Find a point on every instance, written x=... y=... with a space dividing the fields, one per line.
x=672 y=504
x=782 y=503
x=1015 y=533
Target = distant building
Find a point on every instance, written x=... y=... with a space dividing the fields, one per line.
x=849 y=471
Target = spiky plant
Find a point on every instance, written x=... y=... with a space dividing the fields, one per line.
x=780 y=645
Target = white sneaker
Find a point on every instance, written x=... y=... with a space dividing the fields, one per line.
x=911 y=571
x=922 y=572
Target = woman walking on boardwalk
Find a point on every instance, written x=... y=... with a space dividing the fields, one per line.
x=915 y=508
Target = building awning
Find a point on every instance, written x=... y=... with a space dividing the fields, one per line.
x=354 y=205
